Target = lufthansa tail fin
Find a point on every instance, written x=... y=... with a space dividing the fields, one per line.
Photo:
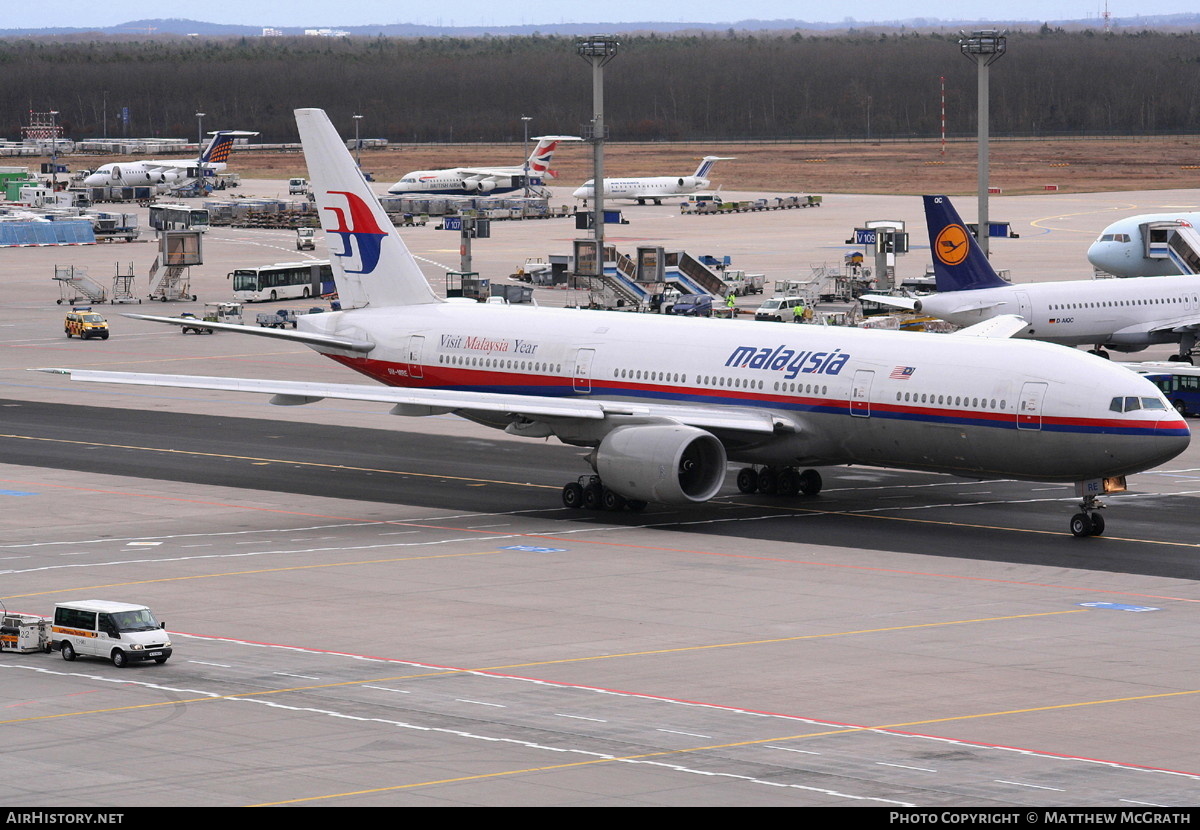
x=371 y=264
x=219 y=148
x=958 y=261
x=706 y=165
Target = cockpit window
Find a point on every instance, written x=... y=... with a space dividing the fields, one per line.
x=1132 y=404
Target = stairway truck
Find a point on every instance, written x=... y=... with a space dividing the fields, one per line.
x=116 y=631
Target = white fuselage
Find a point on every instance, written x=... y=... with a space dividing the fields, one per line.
x=129 y=174
x=641 y=189
x=1124 y=250
x=1132 y=313
x=964 y=405
x=455 y=181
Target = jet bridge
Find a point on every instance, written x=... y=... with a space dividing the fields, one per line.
x=1173 y=240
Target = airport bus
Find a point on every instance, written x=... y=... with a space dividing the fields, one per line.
x=282 y=281
x=1179 y=382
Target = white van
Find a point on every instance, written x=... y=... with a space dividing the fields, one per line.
x=116 y=631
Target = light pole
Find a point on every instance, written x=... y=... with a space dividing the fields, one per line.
x=526 y=119
x=598 y=50
x=200 y=141
x=357 y=141
x=984 y=47
x=54 y=151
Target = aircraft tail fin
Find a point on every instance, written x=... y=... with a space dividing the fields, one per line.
x=219 y=148
x=706 y=165
x=371 y=264
x=539 y=159
x=958 y=261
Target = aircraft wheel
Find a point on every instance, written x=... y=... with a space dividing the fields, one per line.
x=747 y=480
x=810 y=482
x=572 y=495
x=1097 y=524
x=767 y=479
x=592 y=495
x=635 y=505
x=1081 y=525
x=787 y=483
x=612 y=500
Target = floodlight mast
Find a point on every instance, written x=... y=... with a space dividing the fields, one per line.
x=598 y=50
x=984 y=47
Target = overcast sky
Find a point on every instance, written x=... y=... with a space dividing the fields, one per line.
x=90 y=13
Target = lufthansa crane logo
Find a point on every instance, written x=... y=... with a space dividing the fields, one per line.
x=951 y=246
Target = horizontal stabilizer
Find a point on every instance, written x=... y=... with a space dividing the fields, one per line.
x=308 y=339
x=886 y=299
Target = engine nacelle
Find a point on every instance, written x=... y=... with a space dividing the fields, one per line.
x=487 y=186
x=667 y=463
x=688 y=181
x=470 y=185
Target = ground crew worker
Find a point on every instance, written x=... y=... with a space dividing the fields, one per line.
x=731 y=303
x=798 y=313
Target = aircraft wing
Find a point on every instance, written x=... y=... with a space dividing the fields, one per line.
x=1002 y=326
x=899 y=302
x=437 y=401
x=307 y=338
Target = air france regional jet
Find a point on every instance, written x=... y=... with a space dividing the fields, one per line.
x=167 y=171
x=1149 y=245
x=662 y=422
x=655 y=188
x=474 y=181
x=1123 y=315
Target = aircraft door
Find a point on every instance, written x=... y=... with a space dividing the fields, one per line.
x=1029 y=407
x=583 y=370
x=860 y=393
x=416 y=344
x=1024 y=308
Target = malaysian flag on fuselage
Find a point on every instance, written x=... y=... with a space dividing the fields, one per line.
x=902 y=372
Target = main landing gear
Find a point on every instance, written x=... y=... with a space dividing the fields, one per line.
x=590 y=493
x=784 y=481
x=1088 y=522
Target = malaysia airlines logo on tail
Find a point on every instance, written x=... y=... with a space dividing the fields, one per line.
x=360 y=234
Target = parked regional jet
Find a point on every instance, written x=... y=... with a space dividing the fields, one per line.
x=1123 y=315
x=1150 y=245
x=473 y=181
x=656 y=188
x=661 y=422
x=167 y=171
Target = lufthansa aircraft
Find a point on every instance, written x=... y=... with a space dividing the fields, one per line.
x=1123 y=315
x=664 y=421
x=655 y=188
x=1150 y=245
x=475 y=181
x=167 y=171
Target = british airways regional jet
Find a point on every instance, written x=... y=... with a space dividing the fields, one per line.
x=664 y=422
x=476 y=181
x=167 y=171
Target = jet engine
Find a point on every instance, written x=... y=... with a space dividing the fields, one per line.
x=487 y=186
x=688 y=181
x=667 y=463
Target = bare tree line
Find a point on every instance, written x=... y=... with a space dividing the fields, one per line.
x=732 y=86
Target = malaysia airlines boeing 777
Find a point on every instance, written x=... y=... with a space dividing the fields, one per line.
x=167 y=171
x=1124 y=315
x=665 y=403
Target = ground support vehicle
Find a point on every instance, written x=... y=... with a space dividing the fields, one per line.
x=85 y=324
x=24 y=633
x=116 y=631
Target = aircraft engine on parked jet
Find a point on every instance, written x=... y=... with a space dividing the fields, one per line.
x=665 y=463
x=688 y=181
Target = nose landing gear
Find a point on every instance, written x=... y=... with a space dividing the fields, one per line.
x=1088 y=522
